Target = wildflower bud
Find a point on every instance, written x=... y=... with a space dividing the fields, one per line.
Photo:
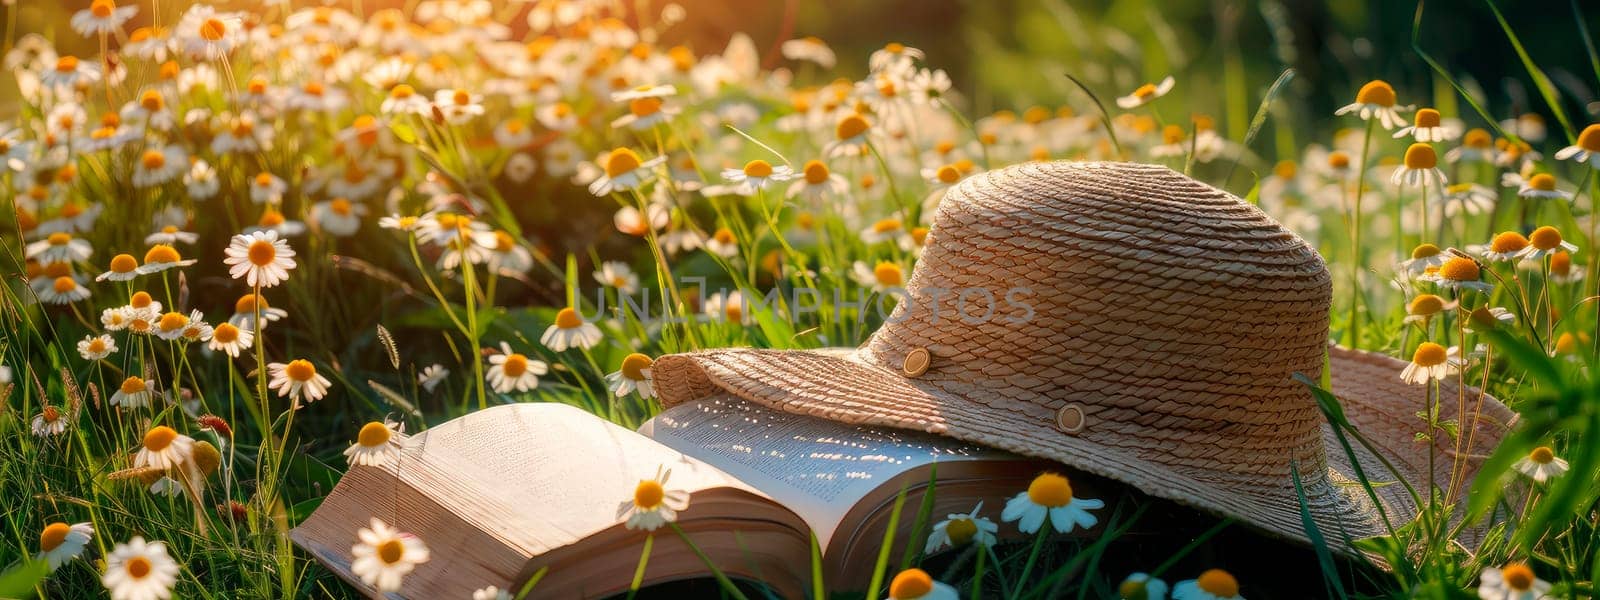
x=217 y=425
x=234 y=511
x=206 y=457
x=438 y=115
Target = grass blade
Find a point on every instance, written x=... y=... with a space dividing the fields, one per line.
x=1540 y=80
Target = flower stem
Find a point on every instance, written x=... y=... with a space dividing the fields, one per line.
x=727 y=584
x=1033 y=555
x=1355 y=241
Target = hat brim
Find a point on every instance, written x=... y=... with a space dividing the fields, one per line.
x=848 y=387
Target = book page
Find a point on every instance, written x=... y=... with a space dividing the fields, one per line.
x=818 y=468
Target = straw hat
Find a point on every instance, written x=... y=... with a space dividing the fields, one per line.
x=1131 y=322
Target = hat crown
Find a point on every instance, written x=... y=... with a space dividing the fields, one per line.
x=1170 y=314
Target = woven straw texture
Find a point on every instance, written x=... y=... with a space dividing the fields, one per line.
x=1168 y=314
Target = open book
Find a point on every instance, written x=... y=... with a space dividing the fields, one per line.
x=509 y=492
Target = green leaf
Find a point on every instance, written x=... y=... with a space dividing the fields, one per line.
x=403 y=131
x=1540 y=80
x=22 y=578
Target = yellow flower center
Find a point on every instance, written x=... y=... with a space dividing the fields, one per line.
x=132 y=385
x=644 y=107
x=1545 y=238
x=887 y=274
x=910 y=583
x=1338 y=160
x=59 y=239
x=1459 y=269
x=391 y=551
x=159 y=437
x=515 y=365
x=1429 y=354
x=568 y=319
x=1542 y=455
x=161 y=253
x=138 y=567
x=172 y=321
x=151 y=100
x=1133 y=590
x=300 y=370
x=961 y=531
x=724 y=236
x=1376 y=92
x=850 y=127
x=67 y=64
x=1145 y=91
x=50 y=414
x=1425 y=251
x=503 y=242
x=1509 y=241
x=153 y=159
x=886 y=226
x=1050 y=490
x=1567 y=343
x=402 y=91
x=269 y=218
x=64 y=284
x=1426 y=117
x=102 y=9
x=1476 y=138
x=1421 y=156
x=1589 y=140
x=373 y=434
x=816 y=172
x=340 y=206
x=257 y=86
x=247 y=304
x=948 y=174
x=262 y=253
x=894 y=47
x=620 y=161
x=213 y=29
x=461 y=98
x=1218 y=582
x=53 y=536
x=1426 y=304
x=649 y=494
x=313 y=88
x=1518 y=577
x=140 y=299
x=1543 y=182
x=1560 y=264
x=758 y=168
x=225 y=333
x=634 y=365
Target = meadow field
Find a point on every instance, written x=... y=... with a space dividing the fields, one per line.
x=248 y=247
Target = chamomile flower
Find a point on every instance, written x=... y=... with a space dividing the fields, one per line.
x=723 y=243
x=1561 y=271
x=557 y=116
x=817 y=182
x=1376 y=100
x=171 y=234
x=245 y=310
x=230 y=339
x=652 y=504
x=376 y=444
x=881 y=277
x=137 y=570
x=160 y=165
x=756 y=176
x=96 y=347
x=810 y=49
x=634 y=374
x=1430 y=362
x=161 y=257
x=1542 y=186
x=1467 y=198
x=883 y=230
x=916 y=584
x=513 y=372
x=432 y=376
x=298 y=380
x=1050 y=495
x=1515 y=581
x=1425 y=307
x=338 y=217
x=570 y=331
x=1458 y=273
x=383 y=556
x=101 y=18
x=171 y=325
x=893 y=55
x=260 y=258
x=646 y=107
x=1420 y=168
x=48 y=422
x=960 y=529
x=1146 y=93
x=1485 y=318
x=404 y=100
x=1424 y=257
x=1507 y=246
x=1545 y=241
x=624 y=171
x=266 y=188
x=850 y=137
x=207 y=34
x=1214 y=584
x=617 y=274
x=458 y=105
x=1541 y=464
x=69 y=73
x=1141 y=586
x=59 y=247
x=1428 y=126
x=728 y=307
x=60 y=542
x=1587 y=148
x=164 y=448
x=62 y=290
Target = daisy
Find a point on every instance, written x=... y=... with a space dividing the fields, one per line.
x=1561 y=270
x=1376 y=99
x=1142 y=586
x=723 y=243
x=1430 y=362
x=273 y=220
x=403 y=99
x=1424 y=307
x=432 y=376
x=961 y=529
x=207 y=34
x=1507 y=246
x=1476 y=146
x=1214 y=584
x=849 y=137
x=570 y=331
x=60 y=542
x=267 y=188
x=260 y=258
x=59 y=247
x=624 y=171
x=1146 y=93
x=892 y=55
x=929 y=85
x=629 y=220
x=634 y=374
x=458 y=105
x=164 y=448
x=161 y=257
x=653 y=505
x=514 y=134
x=557 y=116
x=507 y=257
x=375 y=445
x=619 y=275
x=339 y=217
x=1541 y=464
x=398 y=223
x=1467 y=198
x=1458 y=272
x=140 y=571
x=1050 y=495
x=171 y=325
x=246 y=307
x=817 y=182
x=48 y=422
x=1424 y=257
x=171 y=234
x=1545 y=241
x=1586 y=150
x=1542 y=186
x=1485 y=318
x=383 y=555
x=513 y=372
x=1421 y=168
x=729 y=307
x=101 y=18
x=883 y=230
x=881 y=278
x=63 y=290
x=1515 y=581
x=916 y=584
x=69 y=72
x=96 y=347
x=1427 y=126
x=229 y=339
x=159 y=165
x=756 y=176
x=809 y=49
x=298 y=380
